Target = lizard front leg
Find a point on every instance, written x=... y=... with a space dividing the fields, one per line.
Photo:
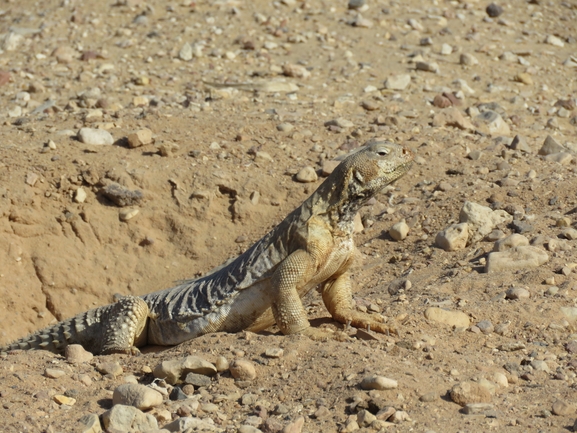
x=337 y=296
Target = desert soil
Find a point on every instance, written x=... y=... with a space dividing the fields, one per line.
x=306 y=82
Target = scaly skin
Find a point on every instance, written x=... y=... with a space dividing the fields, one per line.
x=312 y=247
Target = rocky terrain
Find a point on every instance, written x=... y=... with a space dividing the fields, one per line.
x=145 y=142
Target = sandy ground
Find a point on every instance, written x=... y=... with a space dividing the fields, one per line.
x=309 y=81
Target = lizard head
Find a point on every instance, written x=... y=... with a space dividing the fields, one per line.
x=364 y=173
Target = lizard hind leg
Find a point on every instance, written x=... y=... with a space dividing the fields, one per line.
x=124 y=326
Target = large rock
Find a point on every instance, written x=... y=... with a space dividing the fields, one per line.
x=140 y=396
x=510 y=242
x=482 y=220
x=128 y=419
x=523 y=257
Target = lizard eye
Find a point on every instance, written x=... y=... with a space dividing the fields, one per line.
x=382 y=152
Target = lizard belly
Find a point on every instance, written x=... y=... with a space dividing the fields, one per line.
x=240 y=312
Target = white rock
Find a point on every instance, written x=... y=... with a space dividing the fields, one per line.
x=398 y=82
x=138 y=396
x=185 y=52
x=97 y=137
x=554 y=40
x=524 y=257
x=306 y=175
x=242 y=369
x=500 y=379
x=175 y=369
x=511 y=241
x=492 y=123
x=189 y=423
x=76 y=354
x=457 y=319
x=128 y=419
x=399 y=231
x=482 y=220
x=468 y=59
x=378 y=382
x=80 y=195
x=453 y=237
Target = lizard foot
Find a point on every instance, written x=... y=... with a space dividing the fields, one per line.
x=323 y=334
x=366 y=321
x=133 y=350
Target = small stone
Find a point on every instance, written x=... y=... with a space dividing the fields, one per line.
x=62 y=399
x=563 y=408
x=80 y=195
x=441 y=101
x=478 y=408
x=173 y=370
x=127 y=214
x=356 y=4
x=128 y=419
x=54 y=373
x=140 y=101
x=469 y=392
x=64 y=54
x=519 y=143
x=554 y=40
x=468 y=59
x=139 y=396
x=524 y=78
x=168 y=148
x=340 y=122
x=446 y=49
x=524 y=257
x=274 y=352
x=139 y=138
x=475 y=155
x=307 y=175
x=295 y=71
x=491 y=122
x=221 y=364
x=458 y=319
x=185 y=52
x=378 y=382
x=569 y=233
x=515 y=293
x=481 y=220
x=494 y=10
x=550 y=146
x=451 y=116
x=91 y=423
x=328 y=167
x=399 y=231
x=398 y=82
x=510 y=242
x=197 y=380
x=485 y=326
x=122 y=196
x=285 y=127
x=242 y=370
x=93 y=116
x=96 y=137
x=295 y=426
x=31 y=178
x=76 y=354
x=178 y=394
x=427 y=67
x=370 y=105
x=453 y=238
x=501 y=380
x=365 y=418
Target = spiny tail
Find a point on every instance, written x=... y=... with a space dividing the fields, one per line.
x=76 y=330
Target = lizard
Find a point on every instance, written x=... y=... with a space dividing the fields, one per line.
x=312 y=247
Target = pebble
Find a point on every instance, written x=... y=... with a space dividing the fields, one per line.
x=80 y=195
x=524 y=78
x=307 y=175
x=295 y=427
x=198 y=380
x=340 y=122
x=365 y=418
x=76 y=354
x=128 y=419
x=494 y=10
x=427 y=67
x=485 y=326
x=428 y=397
x=441 y=101
x=458 y=319
x=478 y=408
x=122 y=196
x=563 y=408
x=378 y=382
x=446 y=49
x=62 y=399
x=173 y=370
x=178 y=394
x=167 y=148
x=519 y=143
x=453 y=238
x=139 y=138
x=91 y=423
x=399 y=231
x=221 y=364
x=127 y=214
x=469 y=392
x=515 y=293
x=96 y=137
x=554 y=40
x=285 y=127
x=186 y=52
x=468 y=59
x=244 y=428
x=482 y=220
x=451 y=116
x=139 y=396
x=370 y=105
x=274 y=352
x=4 y=77
x=517 y=258
x=569 y=233
x=295 y=71
x=398 y=82
x=550 y=146
x=54 y=373
x=491 y=123
x=242 y=370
